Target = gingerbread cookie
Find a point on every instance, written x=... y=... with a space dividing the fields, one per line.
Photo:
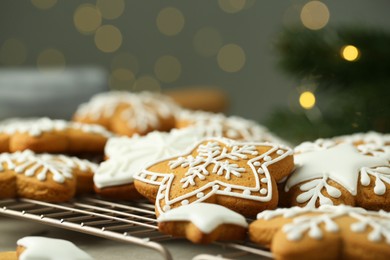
x=48 y=135
x=327 y=232
x=203 y=223
x=128 y=156
x=241 y=176
x=128 y=113
x=218 y=125
x=351 y=170
x=49 y=249
x=43 y=177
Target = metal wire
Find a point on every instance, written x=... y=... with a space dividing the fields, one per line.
x=131 y=222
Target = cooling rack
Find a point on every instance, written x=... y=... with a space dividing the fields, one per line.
x=130 y=222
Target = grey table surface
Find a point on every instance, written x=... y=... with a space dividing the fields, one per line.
x=100 y=248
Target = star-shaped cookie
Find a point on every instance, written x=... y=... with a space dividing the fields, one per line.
x=348 y=170
x=239 y=175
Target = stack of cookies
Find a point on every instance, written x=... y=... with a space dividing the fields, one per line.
x=208 y=174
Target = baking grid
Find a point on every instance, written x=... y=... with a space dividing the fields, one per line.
x=130 y=222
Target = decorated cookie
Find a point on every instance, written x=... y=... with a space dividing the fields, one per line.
x=128 y=156
x=351 y=170
x=128 y=113
x=43 y=177
x=48 y=135
x=241 y=176
x=218 y=125
x=327 y=232
x=49 y=249
x=203 y=223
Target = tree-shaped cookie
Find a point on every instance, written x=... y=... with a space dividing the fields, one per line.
x=239 y=175
x=327 y=232
x=352 y=170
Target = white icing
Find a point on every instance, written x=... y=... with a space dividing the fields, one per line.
x=305 y=221
x=204 y=216
x=341 y=162
x=233 y=127
x=208 y=155
x=144 y=109
x=127 y=156
x=36 y=127
x=50 y=249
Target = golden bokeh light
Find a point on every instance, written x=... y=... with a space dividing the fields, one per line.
x=167 y=68
x=307 y=100
x=13 y=52
x=111 y=9
x=170 y=21
x=231 y=58
x=315 y=15
x=125 y=60
x=87 y=18
x=108 y=38
x=44 y=4
x=147 y=83
x=121 y=79
x=232 y=6
x=350 y=53
x=207 y=41
x=51 y=59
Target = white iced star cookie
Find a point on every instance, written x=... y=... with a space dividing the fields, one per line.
x=49 y=249
x=352 y=170
x=128 y=156
x=241 y=176
x=203 y=223
x=327 y=232
x=127 y=113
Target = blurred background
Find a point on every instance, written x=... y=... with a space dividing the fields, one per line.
x=303 y=68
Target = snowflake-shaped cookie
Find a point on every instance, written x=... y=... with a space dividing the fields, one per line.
x=335 y=231
x=239 y=175
x=350 y=170
x=41 y=176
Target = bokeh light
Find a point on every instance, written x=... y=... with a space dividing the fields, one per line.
x=125 y=60
x=170 y=21
x=121 y=79
x=111 y=9
x=87 y=18
x=44 y=4
x=147 y=83
x=315 y=15
x=232 y=6
x=350 y=53
x=307 y=100
x=108 y=38
x=13 y=52
x=207 y=41
x=167 y=68
x=231 y=58
x=51 y=59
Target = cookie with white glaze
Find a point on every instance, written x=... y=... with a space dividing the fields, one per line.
x=49 y=249
x=241 y=176
x=52 y=136
x=352 y=170
x=127 y=113
x=128 y=156
x=327 y=232
x=203 y=223
x=219 y=125
x=45 y=177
